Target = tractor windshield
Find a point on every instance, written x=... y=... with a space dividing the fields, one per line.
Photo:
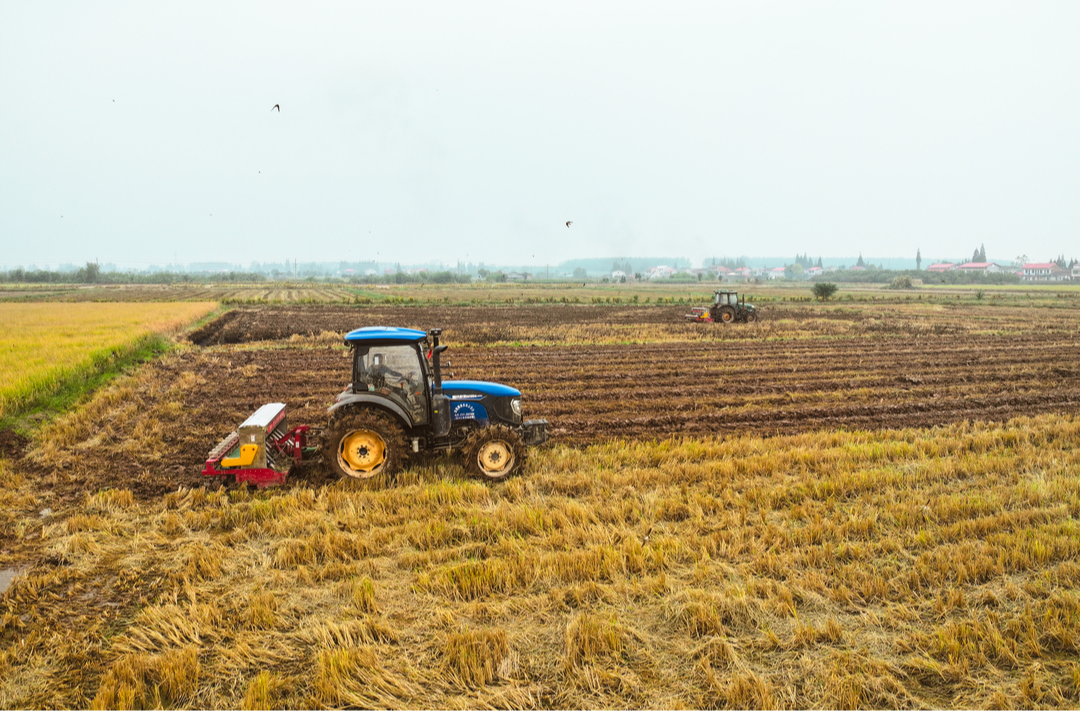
x=394 y=371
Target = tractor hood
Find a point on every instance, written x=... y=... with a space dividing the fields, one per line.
x=467 y=387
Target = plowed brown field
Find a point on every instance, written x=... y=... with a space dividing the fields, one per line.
x=804 y=368
x=801 y=370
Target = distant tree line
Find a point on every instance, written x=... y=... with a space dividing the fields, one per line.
x=729 y=262
x=804 y=261
x=873 y=275
x=92 y=274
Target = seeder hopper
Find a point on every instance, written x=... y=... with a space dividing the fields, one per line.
x=262 y=450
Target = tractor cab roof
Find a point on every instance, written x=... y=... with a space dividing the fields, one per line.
x=384 y=333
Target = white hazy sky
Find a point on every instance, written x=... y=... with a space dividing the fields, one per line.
x=141 y=132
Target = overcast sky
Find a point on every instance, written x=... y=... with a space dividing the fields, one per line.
x=142 y=132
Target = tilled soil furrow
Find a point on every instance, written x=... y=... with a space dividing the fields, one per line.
x=875 y=374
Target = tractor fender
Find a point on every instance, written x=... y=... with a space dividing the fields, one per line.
x=367 y=399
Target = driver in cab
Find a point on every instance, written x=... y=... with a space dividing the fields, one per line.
x=379 y=375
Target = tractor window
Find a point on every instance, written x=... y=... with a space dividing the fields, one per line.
x=394 y=372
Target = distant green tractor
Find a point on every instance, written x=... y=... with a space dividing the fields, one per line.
x=727 y=308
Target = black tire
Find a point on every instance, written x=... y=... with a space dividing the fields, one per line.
x=366 y=444
x=494 y=453
x=751 y=317
x=727 y=314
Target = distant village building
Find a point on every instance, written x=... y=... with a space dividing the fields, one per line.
x=518 y=276
x=1043 y=271
x=618 y=274
x=980 y=267
x=941 y=267
x=1075 y=271
x=813 y=272
x=777 y=273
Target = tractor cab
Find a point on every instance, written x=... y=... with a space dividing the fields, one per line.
x=390 y=365
x=396 y=371
x=726 y=298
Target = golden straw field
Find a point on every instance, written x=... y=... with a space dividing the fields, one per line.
x=42 y=343
x=846 y=570
x=847 y=505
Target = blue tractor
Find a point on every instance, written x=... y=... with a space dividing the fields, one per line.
x=398 y=405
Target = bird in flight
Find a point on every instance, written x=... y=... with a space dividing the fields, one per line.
x=569 y=222
x=276 y=106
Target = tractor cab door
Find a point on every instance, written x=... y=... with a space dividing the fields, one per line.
x=395 y=372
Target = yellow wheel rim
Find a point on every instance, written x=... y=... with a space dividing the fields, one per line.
x=495 y=458
x=362 y=453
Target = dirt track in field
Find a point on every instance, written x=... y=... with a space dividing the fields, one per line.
x=861 y=374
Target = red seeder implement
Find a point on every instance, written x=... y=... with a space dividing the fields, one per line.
x=262 y=450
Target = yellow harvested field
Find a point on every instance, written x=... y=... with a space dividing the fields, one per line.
x=41 y=343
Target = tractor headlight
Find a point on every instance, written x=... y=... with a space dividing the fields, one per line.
x=515 y=405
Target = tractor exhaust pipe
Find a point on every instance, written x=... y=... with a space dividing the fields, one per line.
x=436 y=364
x=440 y=404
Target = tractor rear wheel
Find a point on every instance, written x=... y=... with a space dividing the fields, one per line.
x=727 y=314
x=365 y=444
x=494 y=453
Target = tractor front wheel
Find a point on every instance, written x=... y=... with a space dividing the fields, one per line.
x=494 y=453
x=751 y=317
x=364 y=444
